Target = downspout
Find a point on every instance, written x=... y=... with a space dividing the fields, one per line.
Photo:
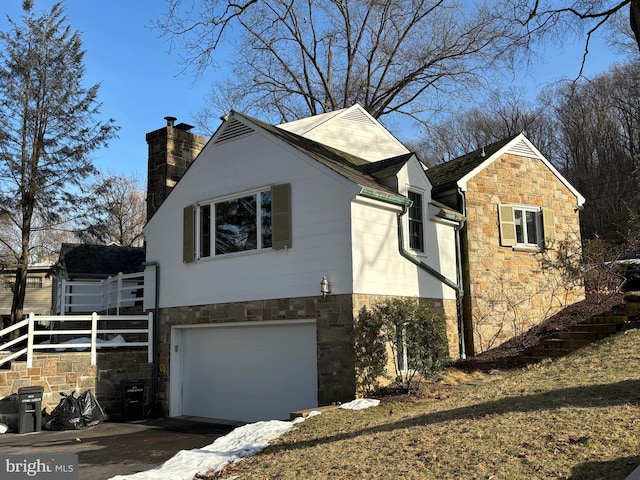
x=457 y=286
x=155 y=379
x=459 y=266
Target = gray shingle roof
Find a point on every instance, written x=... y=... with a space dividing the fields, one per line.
x=446 y=175
x=354 y=168
x=99 y=261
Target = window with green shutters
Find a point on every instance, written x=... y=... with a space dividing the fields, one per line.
x=257 y=220
x=526 y=226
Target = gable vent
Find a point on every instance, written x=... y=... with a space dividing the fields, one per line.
x=233 y=129
x=358 y=116
x=521 y=148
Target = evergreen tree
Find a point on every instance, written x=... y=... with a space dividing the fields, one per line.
x=49 y=124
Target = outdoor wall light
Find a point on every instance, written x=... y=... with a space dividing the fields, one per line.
x=325 y=287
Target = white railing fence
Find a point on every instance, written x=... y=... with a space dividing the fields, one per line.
x=104 y=331
x=115 y=292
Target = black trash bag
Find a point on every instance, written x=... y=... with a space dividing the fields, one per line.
x=90 y=410
x=67 y=415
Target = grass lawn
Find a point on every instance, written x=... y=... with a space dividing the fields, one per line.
x=575 y=418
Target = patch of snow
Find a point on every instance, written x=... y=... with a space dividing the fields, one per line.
x=119 y=339
x=360 y=404
x=240 y=443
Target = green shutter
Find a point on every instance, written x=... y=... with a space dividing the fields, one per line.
x=189 y=234
x=507 y=226
x=549 y=227
x=281 y=216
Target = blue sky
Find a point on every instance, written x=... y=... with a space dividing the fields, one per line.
x=140 y=84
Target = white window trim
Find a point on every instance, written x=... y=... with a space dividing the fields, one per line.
x=422 y=252
x=540 y=231
x=212 y=202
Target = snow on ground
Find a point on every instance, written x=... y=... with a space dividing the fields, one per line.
x=240 y=443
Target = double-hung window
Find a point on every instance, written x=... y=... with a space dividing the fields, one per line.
x=526 y=226
x=416 y=222
x=256 y=220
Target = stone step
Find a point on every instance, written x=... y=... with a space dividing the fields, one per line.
x=596 y=327
x=606 y=319
x=631 y=309
x=551 y=352
x=557 y=343
x=582 y=335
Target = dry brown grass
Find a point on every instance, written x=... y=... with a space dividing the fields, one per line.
x=575 y=418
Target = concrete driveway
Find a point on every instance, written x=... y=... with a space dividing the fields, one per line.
x=110 y=449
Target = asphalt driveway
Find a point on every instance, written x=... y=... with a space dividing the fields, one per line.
x=110 y=449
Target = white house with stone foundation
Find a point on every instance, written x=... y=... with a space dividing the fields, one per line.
x=240 y=246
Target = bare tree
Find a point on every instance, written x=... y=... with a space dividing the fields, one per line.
x=118 y=214
x=598 y=124
x=501 y=115
x=549 y=18
x=48 y=129
x=306 y=57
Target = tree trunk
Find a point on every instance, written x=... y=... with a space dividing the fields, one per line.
x=19 y=292
x=634 y=18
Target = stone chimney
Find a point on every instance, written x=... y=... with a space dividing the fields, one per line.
x=171 y=150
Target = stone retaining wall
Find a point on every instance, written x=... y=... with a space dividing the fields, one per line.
x=67 y=372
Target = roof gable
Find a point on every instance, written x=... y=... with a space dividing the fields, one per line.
x=351 y=130
x=457 y=172
x=345 y=164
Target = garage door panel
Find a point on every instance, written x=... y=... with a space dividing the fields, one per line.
x=248 y=373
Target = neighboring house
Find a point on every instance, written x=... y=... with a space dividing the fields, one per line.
x=87 y=277
x=38 y=294
x=520 y=242
x=244 y=239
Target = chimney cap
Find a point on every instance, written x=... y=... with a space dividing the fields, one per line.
x=170 y=121
x=184 y=126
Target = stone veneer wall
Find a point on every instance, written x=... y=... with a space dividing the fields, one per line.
x=336 y=363
x=67 y=372
x=443 y=307
x=334 y=313
x=510 y=291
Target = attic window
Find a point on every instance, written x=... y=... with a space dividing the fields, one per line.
x=233 y=129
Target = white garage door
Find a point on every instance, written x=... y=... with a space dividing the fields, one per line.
x=246 y=371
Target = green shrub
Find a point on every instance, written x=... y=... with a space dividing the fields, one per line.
x=416 y=337
x=371 y=353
